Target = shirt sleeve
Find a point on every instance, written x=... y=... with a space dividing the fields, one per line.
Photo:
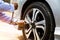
x=6 y=7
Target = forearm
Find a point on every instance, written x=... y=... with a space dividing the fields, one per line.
x=6 y=7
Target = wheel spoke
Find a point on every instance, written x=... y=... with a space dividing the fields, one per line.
x=27 y=19
x=41 y=27
x=38 y=38
x=34 y=34
x=33 y=16
x=36 y=14
x=40 y=23
x=29 y=33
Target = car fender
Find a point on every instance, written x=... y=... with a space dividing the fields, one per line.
x=55 y=6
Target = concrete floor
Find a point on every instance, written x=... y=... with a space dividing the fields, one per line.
x=9 y=32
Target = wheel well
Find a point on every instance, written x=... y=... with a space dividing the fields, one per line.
x=27 y=3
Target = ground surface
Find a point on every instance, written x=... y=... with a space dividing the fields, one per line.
x=9 y=32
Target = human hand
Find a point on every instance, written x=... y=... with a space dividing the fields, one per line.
x=15 y=5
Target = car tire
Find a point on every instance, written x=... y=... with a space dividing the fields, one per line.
x=38 y=12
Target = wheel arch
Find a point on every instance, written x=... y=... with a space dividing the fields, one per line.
x=28 y=2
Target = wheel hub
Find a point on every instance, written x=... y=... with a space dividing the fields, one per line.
x=33 y=25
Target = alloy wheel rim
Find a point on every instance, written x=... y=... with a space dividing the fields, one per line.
x=36 y=27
